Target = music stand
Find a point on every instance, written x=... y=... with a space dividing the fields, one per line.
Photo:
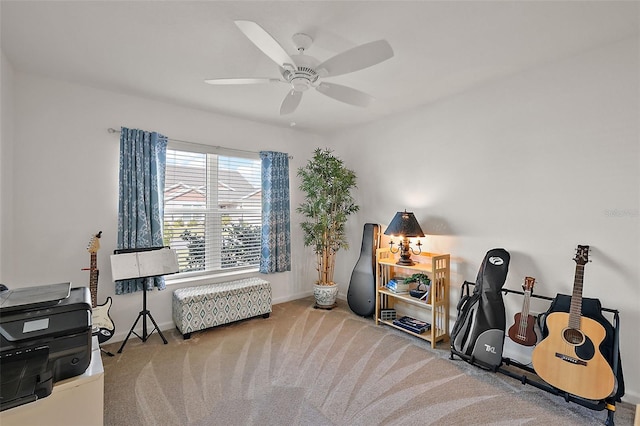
x=143 y=263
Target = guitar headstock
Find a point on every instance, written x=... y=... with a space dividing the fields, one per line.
x=94 y=243
x=582 y=255
x=528 y=283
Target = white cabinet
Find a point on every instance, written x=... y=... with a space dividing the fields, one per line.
x=78 y=401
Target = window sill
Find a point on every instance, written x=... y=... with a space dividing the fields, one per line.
x=211 y=278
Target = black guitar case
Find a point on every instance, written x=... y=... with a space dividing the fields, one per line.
x=478 y=333
x=362 y=287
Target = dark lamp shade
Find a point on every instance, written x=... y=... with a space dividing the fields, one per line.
x=404 y=224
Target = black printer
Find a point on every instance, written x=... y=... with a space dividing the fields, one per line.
x=45 y=337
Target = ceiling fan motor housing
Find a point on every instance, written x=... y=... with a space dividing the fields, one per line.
x=305 y=75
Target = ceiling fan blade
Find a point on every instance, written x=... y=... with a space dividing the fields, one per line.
x=265 y=42
x=345 y=94
x=355 y=59
x=290 y=102
x=229 y=81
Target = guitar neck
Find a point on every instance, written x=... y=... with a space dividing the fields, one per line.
x=528 y=289
x=575 y=311
x=93 y=280
x=525 y=303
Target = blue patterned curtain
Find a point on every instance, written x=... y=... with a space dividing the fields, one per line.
x=141 y=196
x=275 y=255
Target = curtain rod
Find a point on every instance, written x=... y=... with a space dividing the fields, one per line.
x=112 y=130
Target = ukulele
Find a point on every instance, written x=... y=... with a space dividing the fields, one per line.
x=569 y=357
x=103 y=326
x=522 y=329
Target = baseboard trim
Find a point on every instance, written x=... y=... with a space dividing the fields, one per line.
x=119 y=336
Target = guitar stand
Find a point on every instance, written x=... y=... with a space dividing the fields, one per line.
x=609 y=403
x=144 y=313
x=106 y=352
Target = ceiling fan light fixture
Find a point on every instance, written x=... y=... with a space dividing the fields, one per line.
x=300 y=84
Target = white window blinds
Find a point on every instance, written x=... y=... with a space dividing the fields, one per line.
x=212 y=213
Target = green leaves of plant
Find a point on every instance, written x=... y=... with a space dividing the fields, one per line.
x=327 y=185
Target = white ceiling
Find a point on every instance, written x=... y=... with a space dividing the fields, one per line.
x=164 y=50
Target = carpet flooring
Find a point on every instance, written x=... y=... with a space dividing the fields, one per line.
x=304 y=366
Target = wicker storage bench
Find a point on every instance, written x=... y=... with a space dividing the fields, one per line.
x=205 y=306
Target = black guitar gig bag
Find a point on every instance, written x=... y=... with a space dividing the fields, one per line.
x=479 y=330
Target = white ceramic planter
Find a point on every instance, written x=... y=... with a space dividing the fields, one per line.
x=325 y=295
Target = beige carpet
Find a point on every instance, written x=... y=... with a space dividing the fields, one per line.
x=304 y=366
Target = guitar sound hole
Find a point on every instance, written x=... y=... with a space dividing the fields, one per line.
x=573 y=336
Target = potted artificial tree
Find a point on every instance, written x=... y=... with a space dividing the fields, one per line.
x=328 y=202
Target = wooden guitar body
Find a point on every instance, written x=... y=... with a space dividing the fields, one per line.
x=526 y=338
x=522 y=331
x=570 y=359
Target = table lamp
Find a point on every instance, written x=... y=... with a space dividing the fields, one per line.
x=404 y=225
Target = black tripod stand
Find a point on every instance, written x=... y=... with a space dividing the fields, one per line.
x=144 y=313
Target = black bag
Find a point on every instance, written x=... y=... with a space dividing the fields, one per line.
x=591 y=308
x=478 y=333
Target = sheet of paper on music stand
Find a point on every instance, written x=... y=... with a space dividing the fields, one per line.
x=142 y=264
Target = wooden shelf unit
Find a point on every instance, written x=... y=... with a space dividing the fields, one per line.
x=436 y=267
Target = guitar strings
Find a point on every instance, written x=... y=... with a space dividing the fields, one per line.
x=524 y=316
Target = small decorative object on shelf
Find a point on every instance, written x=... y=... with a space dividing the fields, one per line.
x=432 y=272
x=421 y=293
x=419 y=278
x=387 y=314
x=422 y=289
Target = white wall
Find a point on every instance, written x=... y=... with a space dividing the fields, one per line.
x=536 y=163
x=66 y=183
x=6 y=164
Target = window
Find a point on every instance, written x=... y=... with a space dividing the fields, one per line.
x=212 y=208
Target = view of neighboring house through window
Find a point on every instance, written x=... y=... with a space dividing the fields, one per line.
x=212 y=208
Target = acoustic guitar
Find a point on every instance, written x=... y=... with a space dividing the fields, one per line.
x=521 y=331
x=569 y=357
x=103 y=326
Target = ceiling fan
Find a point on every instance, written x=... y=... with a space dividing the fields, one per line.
x=303 y=72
